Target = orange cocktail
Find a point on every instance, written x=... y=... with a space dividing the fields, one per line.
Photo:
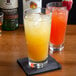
x=37 y=31
x=37 y=38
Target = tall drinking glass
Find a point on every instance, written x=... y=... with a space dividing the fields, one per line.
x=37 y=32
x=1 y=22
x=58 y=28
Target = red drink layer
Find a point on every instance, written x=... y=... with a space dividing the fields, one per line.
x=58 y=28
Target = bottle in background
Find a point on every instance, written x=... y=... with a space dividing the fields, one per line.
x=33 y=4
x=10 y=9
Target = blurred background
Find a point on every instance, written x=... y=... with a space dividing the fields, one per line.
x=71 y=17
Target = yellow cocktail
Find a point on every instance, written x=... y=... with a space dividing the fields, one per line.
x=37 y=31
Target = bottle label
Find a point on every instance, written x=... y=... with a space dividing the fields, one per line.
x=10 y=19
x=10 y=13
x=33 y=4
x=8 y=4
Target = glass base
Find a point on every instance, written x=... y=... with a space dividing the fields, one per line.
x=55 y=48
x=38 y=65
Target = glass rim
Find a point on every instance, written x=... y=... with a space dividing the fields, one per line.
x=41 y=11
x=33 y=9
x=37 y=8
x=48 y=4
x=53 y=2
x=35 y=13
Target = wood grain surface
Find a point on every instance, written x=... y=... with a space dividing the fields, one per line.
x=13 y=47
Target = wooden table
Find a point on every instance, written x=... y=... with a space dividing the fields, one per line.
x=13 y=47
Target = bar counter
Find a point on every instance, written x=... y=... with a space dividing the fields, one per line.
x=13 y=47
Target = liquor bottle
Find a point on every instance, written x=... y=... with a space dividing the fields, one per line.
x=33 y=4
x=10 y=9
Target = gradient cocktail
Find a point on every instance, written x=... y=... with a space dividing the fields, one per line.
x=37 y=31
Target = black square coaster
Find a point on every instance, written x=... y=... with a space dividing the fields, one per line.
x=51 y=66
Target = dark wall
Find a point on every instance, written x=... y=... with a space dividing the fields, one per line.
x=72 y=14
x=20 y=11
